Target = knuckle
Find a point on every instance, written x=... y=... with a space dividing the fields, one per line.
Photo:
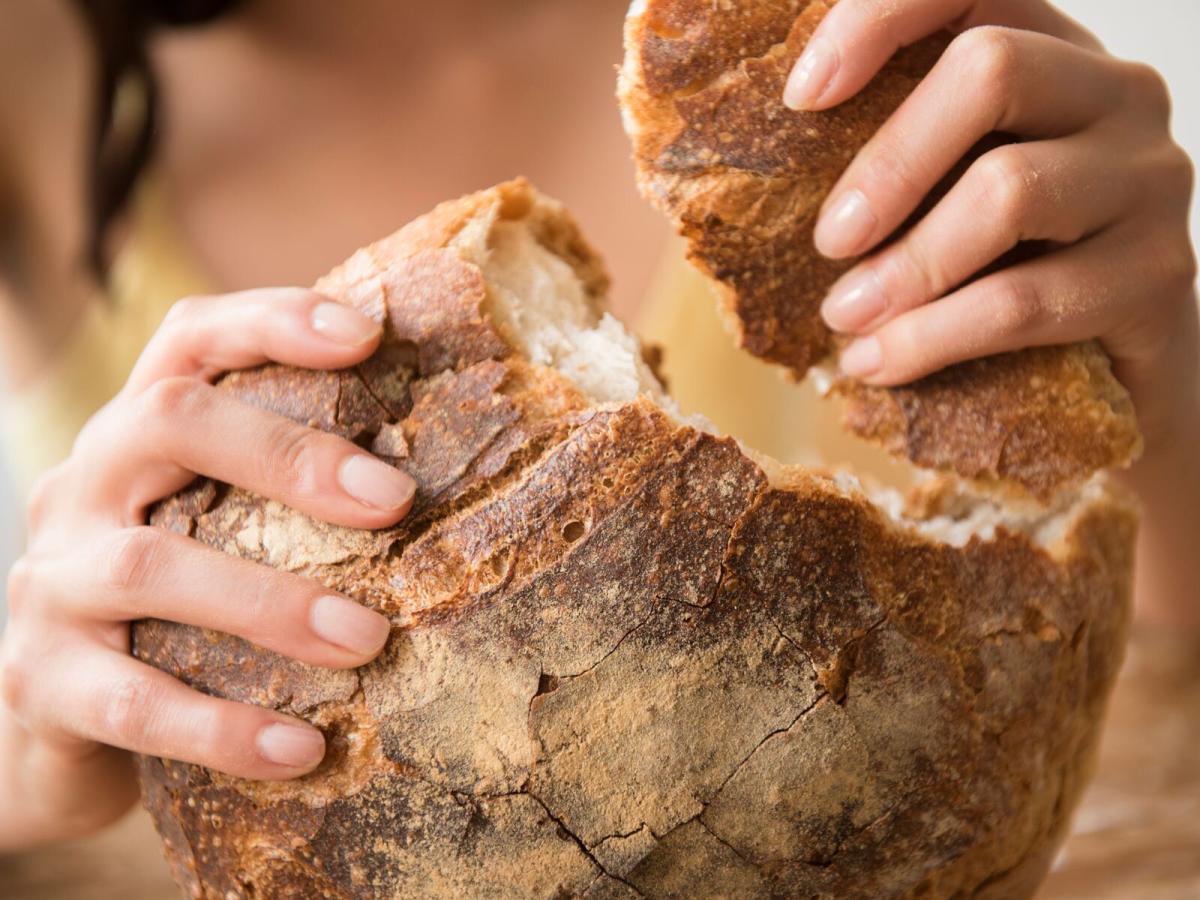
x=1166 y=265
x=133 y=559
x=1176 y=263
x=987 y=56
x=182 y=313
x=259 y=607
x=890 y=170
x=43 y=496
x=14 y=679
x=171 y=397
x=904 y=350
x=883 y=19
x=20 y=585
x=1180 y=175
x=131 y=705
x=1148 y=88
x=919 y=267
x=1190 y=270
x=1015 y=304
x=97 y=430
x=1007 y=180
x=291 y=458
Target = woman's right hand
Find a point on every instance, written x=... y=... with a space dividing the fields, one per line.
x=74 y=700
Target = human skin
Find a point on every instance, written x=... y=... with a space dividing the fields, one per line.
x=1096 y=173
x=72 y=693
x=75 y=703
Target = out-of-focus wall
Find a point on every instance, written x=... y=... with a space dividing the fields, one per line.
x=1161 y=32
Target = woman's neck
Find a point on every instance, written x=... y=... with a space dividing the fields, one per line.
x=366 y=29
x=296 y=131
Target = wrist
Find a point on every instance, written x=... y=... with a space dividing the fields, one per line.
x=1161 y=370
x=1167 y=483
x=51 y=793
x=1174 y=453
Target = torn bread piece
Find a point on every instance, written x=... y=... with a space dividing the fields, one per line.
x=743 y=178
x=630 y=657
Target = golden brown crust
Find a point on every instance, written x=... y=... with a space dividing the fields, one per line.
x=1043 y=418
x=744 y=179
x=743 y=176
x=623 y=662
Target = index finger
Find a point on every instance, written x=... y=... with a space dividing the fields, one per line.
x=202 y=337
x=857 y=37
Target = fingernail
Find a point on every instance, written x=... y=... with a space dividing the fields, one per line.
x=863 y=358
x=846 y=225
x=854 y=302
x=811 y=75
x=349 y=625
x=342 y=325
x=375 y=483
x=291 y=745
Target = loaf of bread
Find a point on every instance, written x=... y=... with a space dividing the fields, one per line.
x=629 y=656
x=744 y=178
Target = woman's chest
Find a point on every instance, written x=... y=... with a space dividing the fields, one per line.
x=274 y=172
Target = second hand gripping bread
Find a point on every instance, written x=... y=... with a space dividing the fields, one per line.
x=744 y=177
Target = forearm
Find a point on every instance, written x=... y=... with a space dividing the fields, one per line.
x=20 y=825
x=1167 y=588
x=1167 y=478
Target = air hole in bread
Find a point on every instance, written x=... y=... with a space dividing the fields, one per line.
x=500 y=562
x=666 y=30
x=573 y=531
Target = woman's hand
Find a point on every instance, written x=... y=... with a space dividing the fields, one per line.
x=1096 y=174
x=74 y=700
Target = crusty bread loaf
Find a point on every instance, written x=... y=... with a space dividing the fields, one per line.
x=744 y=178
x=629 y=658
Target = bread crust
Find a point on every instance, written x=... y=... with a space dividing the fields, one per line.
x=744 y=178
x=624 y=661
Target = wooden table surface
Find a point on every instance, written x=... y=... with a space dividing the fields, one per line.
x=1136 y=836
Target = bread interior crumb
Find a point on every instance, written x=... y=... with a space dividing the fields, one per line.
x=541 y=306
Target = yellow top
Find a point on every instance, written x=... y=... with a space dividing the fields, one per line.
x=152 y=271
x=705 y=371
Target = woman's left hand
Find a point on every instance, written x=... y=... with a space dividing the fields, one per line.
x=1096 y=174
